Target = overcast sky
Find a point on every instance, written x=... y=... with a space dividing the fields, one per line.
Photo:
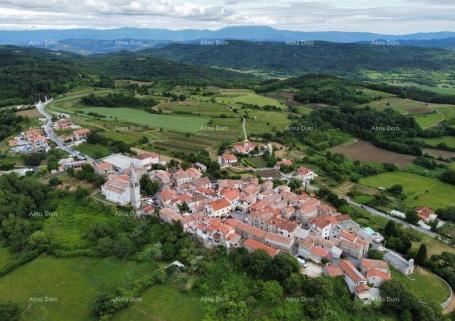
x=381 y=16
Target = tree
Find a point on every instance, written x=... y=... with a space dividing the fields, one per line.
x=295 y=184
x=412 y=217
x=271 y=291
x=33 y=159
x=168 y=251
x=104 y=246
x=54 y=181
x=148 y=186
x=81 y=193
x=256 y=264
x=283 y=265
x=123 y=246
x=9 y=311
x=183 y=208
x=421 y=256
x=375 y=254
x=395 y=190
x=448 y=176
x=390 y=229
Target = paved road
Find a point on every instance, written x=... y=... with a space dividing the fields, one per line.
x=49 y=130
x=374 y=211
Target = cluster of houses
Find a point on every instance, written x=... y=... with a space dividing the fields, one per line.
x=254 y=215
x=32 y=140
x=230 y=158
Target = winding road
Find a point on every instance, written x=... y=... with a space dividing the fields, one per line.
x=49 y=130
x=374 y=211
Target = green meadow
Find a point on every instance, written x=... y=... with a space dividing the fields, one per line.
x=140 y=117
x=448 y=140
x=420 y=190
x=164 y=303
x=425 y=285
x=65 y=289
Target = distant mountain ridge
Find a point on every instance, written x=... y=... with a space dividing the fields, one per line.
x=307 y=57
x=249 y=33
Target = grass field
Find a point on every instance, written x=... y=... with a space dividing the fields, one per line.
x=164 y=303
x=206 y=108
x=93 y=150
x=420 y=190
x=424 y=285
x=244 y=96
x=189 y=124
x=5 y=255
x=448 y=140
x=266 y=121
x=70 y=284
x=429 y=120
x=426 y=114
x=68 y=226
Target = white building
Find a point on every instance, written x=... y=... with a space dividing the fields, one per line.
x=123 y=189
x=305 y=174
x=399 y=263
x=219 y=208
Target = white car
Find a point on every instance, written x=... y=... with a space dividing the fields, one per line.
x=301 y=261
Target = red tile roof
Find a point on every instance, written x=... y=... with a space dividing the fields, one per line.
x=333 y=270
x=220 y=204
x=377 y=273
x=350 y=270
x=255 y=245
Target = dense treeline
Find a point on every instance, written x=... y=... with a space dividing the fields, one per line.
x=145 y=67
x=414 y=93
x=23 y=207
x=27 y=75
x=10 y=123
x=30 y=74
x=331 y=91
x=387 y=129
x=313 y=57
x=117 y=100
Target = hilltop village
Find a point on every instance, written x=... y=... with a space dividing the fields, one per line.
x=252 y=213
x=260 y=212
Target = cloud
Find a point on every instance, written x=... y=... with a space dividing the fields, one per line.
x=382 y=16
x=124 y=8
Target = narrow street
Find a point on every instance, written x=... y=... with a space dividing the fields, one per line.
x=49 y=130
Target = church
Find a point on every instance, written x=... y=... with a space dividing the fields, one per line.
x=124 y=189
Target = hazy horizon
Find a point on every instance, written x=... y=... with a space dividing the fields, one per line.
x=385 y=17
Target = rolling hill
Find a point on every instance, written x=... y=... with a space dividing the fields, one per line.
x=308 y=57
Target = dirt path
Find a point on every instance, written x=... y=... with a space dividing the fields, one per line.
x=244 y=129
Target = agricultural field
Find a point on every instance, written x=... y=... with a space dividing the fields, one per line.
x=439 y=153
x=244 y=96
x=266 y=121
x=366 y=152
x=31 y=113
x=424 y=285
x=420 y=190
x=429 y=120
x=205 y=108
x=448 y=140
x=70 y=285
x=426 y=114
x=184 y=124
x=165 y=303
